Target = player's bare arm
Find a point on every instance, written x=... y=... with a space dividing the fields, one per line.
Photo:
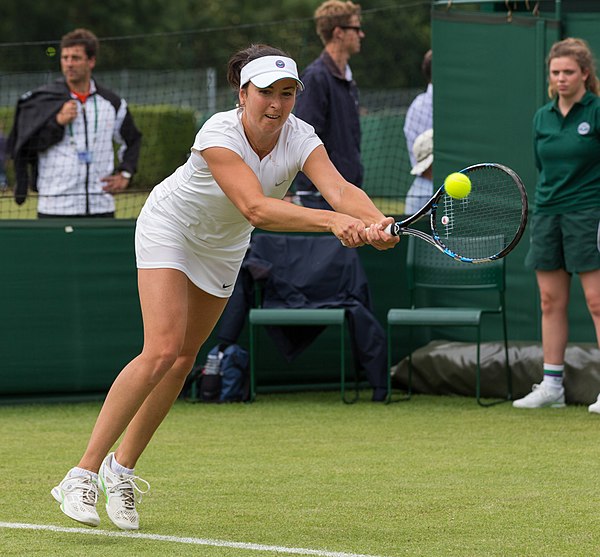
x=242 y=187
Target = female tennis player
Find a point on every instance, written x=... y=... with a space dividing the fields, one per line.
x=565 y=231
x=191 y=237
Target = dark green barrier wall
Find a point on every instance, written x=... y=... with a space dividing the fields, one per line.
x=69 y=313
x=70 y=319
x=489 y=79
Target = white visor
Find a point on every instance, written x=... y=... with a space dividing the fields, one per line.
x=265 y=71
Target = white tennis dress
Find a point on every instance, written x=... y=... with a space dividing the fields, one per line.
x=189 y=224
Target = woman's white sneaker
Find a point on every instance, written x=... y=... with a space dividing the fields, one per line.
x=122 y=493
x=595 y=408
x=77 y=496
x=542 y=396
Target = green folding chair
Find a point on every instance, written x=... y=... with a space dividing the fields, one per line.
x=335 y=317
x=430 y=271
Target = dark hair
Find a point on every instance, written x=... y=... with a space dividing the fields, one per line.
x=426 y=65
x=242 y=57
x=81 y=37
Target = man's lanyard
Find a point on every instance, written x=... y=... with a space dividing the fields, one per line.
x=95 y=122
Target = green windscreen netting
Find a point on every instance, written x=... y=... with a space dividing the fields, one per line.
x=173 y=82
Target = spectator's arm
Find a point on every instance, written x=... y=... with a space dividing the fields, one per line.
x=131 y=141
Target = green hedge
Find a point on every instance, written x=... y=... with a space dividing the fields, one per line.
x=168 y=133
x=6 y=121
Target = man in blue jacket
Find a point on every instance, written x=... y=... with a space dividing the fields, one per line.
x=330 y=99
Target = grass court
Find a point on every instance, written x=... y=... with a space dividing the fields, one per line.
x=303 y=474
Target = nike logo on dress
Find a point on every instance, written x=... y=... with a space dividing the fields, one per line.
x=227 y=285
x=280 y=183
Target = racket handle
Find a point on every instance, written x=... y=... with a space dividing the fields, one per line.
x=390 y=229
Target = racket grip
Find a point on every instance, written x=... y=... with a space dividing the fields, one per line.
x=389 y=229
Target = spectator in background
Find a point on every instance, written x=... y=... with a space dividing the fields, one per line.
x=419 y=118
x=422 y=188
x=330 y=100
x=565 y=228
x=3 y=179
x=62 y=138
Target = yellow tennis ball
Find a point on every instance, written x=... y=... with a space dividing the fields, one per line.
x=457 y=185
x=50 y=51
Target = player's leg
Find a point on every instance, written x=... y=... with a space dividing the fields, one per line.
x=554 y=289
x=591 y=288
x=122 y=488
x=163 y=295
x=204 y=311
x=164 y=303
x=582 y=254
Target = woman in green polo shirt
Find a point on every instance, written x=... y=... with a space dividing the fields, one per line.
x=565 y=231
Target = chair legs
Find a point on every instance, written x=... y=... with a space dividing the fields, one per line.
x=477 y=372
x=389 y=372
x=252 y=364
x=347 y=400
x=508 y=372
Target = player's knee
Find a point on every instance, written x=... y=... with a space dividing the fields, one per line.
x=161 y=361
x=183 y=365
x=593 y=304
x=550 y=303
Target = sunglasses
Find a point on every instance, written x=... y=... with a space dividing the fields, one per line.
x=356 y=28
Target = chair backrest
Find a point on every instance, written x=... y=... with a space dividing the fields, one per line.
x=305 y=271
x=429 y=269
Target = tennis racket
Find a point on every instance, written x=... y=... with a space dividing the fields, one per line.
x=484 y=226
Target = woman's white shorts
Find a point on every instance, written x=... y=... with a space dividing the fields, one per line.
x=161 y=245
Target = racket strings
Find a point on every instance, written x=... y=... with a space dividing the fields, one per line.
x=484 y=223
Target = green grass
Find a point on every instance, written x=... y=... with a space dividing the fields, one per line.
x=436 y=476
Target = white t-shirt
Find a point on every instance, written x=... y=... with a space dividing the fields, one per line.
x=191 y=202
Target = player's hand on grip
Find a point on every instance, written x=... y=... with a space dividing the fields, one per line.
x=378 y=237
x=349 y=230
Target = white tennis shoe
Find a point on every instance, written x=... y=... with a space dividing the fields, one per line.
x=77 y=496
x=595 y=407
x=542 y=396
x=122 y=494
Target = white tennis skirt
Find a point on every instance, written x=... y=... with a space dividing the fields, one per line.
x=161 y=245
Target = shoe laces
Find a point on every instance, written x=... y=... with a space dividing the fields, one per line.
x=88 y=488
x=130 y=492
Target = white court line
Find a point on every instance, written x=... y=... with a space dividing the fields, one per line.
x=176 y=539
